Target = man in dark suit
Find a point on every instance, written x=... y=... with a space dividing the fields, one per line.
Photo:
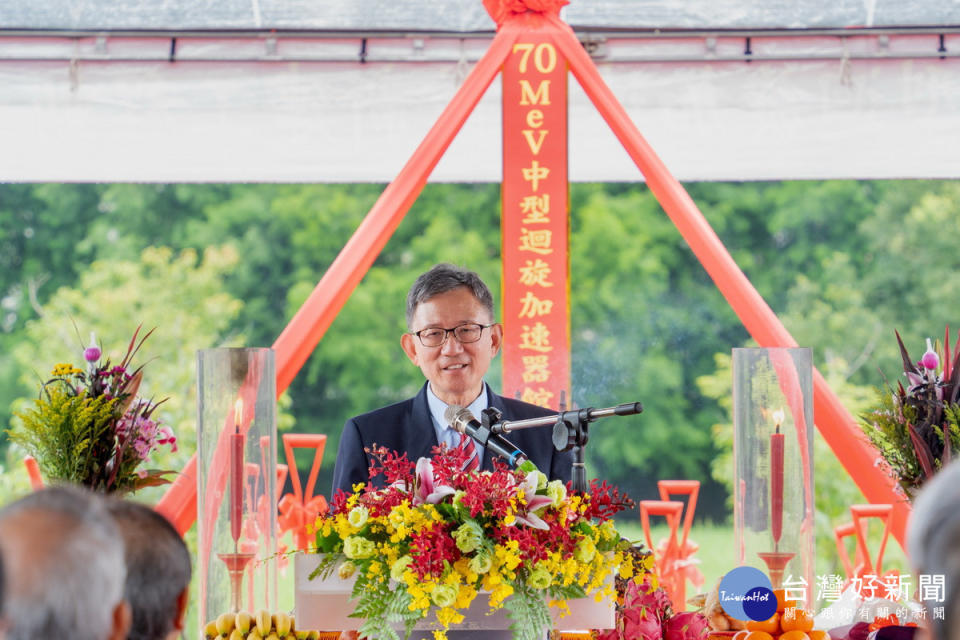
x=452 y=338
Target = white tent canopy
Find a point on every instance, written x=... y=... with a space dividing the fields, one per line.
x=343 y=91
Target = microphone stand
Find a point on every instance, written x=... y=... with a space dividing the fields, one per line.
x=570 y=431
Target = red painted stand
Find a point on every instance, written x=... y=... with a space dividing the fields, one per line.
x=666 y=553
x=686 y=564
x=299 y=509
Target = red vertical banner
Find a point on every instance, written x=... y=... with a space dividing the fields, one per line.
x=535 y=225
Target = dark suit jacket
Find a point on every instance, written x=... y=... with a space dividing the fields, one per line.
x=406 y=427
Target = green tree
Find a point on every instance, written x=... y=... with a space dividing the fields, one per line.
x=639 y=306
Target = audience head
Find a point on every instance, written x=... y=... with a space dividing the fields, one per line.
x=933 y=543
x=64 y=568
x=158 y=571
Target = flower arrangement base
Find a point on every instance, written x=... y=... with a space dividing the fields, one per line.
x=326 y=605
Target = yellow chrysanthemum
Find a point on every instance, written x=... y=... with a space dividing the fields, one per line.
x=65 y=369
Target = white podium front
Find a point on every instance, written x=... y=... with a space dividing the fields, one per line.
x=326 y=605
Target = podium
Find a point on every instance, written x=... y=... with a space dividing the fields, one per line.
x=325 y=604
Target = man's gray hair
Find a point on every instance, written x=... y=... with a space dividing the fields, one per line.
x=933 y=542
x=442 y=278
x=64 y=562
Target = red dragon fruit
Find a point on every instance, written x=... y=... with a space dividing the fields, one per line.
x=644 y=595
x=687 y=625
x=642 y=622
x=640 y=617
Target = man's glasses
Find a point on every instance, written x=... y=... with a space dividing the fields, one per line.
x=465 y=334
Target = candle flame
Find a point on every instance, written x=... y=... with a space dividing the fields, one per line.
x=778 y=416
x=238 y=411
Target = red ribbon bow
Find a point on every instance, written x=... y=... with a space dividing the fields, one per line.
x=500 y=10
x=296 y=515
x=681 y=563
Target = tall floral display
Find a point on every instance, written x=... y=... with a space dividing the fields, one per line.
x=90 y=427
x=437 y=536
x=916 y=426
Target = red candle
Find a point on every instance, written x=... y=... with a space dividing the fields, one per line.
x=776 y=479
x=236 y=473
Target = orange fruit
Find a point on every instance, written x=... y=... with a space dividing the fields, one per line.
x=781 y=596
x=796 y=634
x=758 y=635
x=818 y=634
x=796 y=619
x=770 y=625
x=782 y=602
x=740 y=635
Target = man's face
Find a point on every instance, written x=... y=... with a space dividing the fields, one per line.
x=455 y=370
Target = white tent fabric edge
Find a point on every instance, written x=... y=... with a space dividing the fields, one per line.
x=131 y=116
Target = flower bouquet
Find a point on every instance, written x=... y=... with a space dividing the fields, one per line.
x=88 y=427
x=437 y=535
x=916 y=427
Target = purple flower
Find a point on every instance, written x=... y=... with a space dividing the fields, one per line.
x=142 y=447
x=92 y=353
x=930 y=359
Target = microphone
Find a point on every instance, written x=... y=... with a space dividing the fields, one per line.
x=464 y=422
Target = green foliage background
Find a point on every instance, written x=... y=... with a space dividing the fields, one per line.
x=842 y=263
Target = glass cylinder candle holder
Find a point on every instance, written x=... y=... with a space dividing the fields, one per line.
x=236 y=476
x=773 y=463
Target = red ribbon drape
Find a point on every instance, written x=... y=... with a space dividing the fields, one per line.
x=500 y=10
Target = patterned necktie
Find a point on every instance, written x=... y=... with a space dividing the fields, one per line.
x=473 y=460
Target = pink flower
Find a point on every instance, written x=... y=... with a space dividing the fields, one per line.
x=930 y=359
x=528 y=491
x=92 y=353
x=425 y=487
x=165 y=436
x=142 y=447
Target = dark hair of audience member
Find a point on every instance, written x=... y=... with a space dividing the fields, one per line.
x=158 y=570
